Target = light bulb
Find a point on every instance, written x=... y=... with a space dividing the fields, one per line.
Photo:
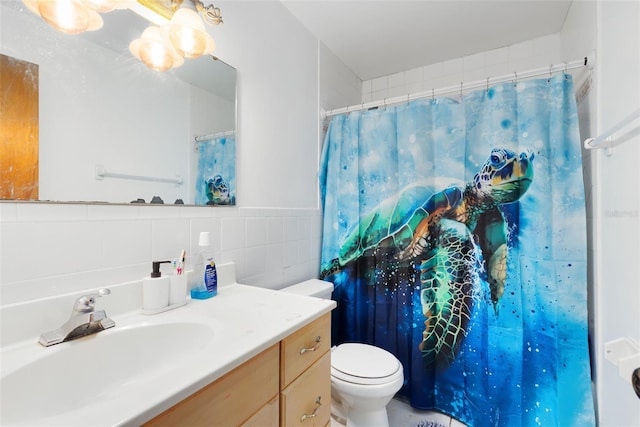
x=188 y=35
x=154 y=50
x=68 y=16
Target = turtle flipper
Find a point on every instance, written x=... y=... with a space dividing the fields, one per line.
x=333 y=267
x=497 y=274
x=492 y=235
x=448 y=287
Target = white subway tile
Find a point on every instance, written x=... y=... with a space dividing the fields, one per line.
x=33 y=250
x=256 y=231
x=291 y=228
x=473 y=62
x=51 y=211
x=379 y=83
x=126 y=243
x=453 y=66
x=8 y=212
x=546 y=44
x=232 y=233
x=366 y=86
x=256 y=260
x=168 y=238
x=275 y=256
x=396 y=80
x=379 y=95
x=521 y=50
x=412 y=88
x=112 y=212
x=497 y=56
x=413 y=75
x=396 y=91
x=433 y=71
x=275 y=230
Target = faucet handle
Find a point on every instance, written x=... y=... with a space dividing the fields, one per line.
x=86 y=303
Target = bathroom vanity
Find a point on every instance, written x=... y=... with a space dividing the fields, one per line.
x=249 y=356
x=289 y=384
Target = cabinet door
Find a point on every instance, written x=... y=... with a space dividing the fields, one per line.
x=268 y=416
x=306 y=402
x=302 y=348
x=230 y=400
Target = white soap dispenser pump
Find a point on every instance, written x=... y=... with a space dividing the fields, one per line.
x=155 y=290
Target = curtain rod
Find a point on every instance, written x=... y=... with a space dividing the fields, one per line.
x=587 y=61
x=604 y=139
x=201 y=138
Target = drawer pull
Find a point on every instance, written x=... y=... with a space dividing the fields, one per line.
x=315 y=346
x=315 y=411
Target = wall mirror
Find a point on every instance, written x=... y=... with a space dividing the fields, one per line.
x=111 y=130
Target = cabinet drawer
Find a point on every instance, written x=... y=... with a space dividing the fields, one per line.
x=296 y=352
x=267 y=416
x=303 y=395
x=230 y=400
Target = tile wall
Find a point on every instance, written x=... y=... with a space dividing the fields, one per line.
x=49 y=249
x=532 y=54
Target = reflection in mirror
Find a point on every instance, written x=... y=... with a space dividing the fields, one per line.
x=111 y=129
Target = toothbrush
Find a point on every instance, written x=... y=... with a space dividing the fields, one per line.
x=181 y=262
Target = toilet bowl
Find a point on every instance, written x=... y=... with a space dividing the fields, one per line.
x=364 y=378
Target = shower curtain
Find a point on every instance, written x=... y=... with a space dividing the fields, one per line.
x=454 y=232
x=216 y=177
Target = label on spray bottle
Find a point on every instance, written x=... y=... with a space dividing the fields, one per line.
x=210 y=276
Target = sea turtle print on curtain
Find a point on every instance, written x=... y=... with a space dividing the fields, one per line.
x=454 y=234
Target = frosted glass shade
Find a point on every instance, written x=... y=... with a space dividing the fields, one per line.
x=154 y=51
x=187 y=34
x=101 y=6
x=67 y=16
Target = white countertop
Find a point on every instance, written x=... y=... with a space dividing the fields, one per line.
x=246 y=320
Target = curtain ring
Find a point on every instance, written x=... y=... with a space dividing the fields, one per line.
x=550 y=73
x=433 y=94
x=461 y=89
x=487 y=84
x=566 y=67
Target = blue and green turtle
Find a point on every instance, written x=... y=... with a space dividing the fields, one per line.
x=444 y=233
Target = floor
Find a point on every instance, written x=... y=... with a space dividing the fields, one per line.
x=401 y=414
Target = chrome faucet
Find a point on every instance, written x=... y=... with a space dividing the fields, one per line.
x=84 y=321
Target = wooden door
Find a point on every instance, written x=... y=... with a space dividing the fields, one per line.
x=19 y=132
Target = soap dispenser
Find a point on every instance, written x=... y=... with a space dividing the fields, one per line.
x=155 y=290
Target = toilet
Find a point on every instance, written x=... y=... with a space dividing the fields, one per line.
x=364 y=378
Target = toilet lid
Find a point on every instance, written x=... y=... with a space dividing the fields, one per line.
x=362 y=361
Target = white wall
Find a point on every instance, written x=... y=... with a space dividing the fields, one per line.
x=274 y=234
x=616 y=212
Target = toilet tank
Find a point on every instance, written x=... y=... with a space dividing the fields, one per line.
x=312 y=288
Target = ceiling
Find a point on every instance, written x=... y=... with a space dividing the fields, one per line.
x=379 y=37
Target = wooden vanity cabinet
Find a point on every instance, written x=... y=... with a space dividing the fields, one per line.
x=305 y=375
x=245 y=396
x=288 y=384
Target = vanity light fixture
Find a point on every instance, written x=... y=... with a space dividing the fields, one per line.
x=181 y=29
x=73 y=16
x=187 y=33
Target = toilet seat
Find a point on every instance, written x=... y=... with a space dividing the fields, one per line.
x=364 y=364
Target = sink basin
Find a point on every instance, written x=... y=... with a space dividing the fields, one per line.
x=79 y=373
